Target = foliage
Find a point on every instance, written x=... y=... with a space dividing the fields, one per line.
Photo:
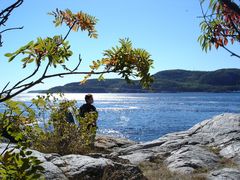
x=127 y=62
x=54 y=49
x=17 y=162
x=76 y=21
x=20 y=165
x=220 y=25
x=14 y=119
x=18 y=121
x=88 y=128
x=63 y=138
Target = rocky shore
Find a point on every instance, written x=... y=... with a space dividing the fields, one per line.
x=208 y=150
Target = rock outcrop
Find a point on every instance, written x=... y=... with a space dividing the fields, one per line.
x=210 y=149
x=84 y=167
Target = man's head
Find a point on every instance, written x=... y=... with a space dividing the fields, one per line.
x=89 y=99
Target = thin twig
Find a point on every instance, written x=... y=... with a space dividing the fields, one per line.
x=28 y=77
x=79 y=62
x=6 y=148
x=46 y=69
x=231 y=52
x=9 y=29
x=5 y=87
x=77 y=66
x=80 y=73
x=69 y=31
x=7 y=11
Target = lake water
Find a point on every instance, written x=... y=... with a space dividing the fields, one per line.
x=143 y=117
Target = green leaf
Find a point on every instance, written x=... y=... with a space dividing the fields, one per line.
x=101 y=78
x=8 y=54
x=28 y=153
x=11 y=58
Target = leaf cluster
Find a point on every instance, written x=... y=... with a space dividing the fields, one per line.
x=77 y=21
x=127 y=61
x=20 y=164
x=220 y=26
x=17 y=162
x=55 y=50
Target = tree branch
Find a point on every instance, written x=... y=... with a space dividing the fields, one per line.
x=22 y=86
x=231 y=5
x=6 y=148
x=69 y=31
x=4 y=88
x=4 y=15
x=16 y=85
x=80 y=73
x=76 y=68
x=205 y=19
x=9 y=29
x=31 y=84
x=7 y=11
x=231 y=52
x=46 y=69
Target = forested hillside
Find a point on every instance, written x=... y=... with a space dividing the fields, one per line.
x=223 y=80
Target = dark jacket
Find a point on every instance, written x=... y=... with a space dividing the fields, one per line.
x=69 y=117
x=86 y=108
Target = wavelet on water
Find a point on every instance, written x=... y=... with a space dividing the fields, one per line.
x=144 y=117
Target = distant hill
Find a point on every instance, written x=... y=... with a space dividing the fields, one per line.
x=223 y=80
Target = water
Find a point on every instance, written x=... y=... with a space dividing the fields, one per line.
x=143 y=117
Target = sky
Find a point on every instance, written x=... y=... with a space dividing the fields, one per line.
x=168 y=30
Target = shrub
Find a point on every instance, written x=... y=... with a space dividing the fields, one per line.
x=16 y=162
x=65 y=138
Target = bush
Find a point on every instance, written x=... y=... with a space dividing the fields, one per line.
x=66 y=137
x=19 y=124
x=16 y=162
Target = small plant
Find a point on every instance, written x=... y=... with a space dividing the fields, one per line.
x=215 y=150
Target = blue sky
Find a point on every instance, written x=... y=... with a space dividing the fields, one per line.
x=167 y=29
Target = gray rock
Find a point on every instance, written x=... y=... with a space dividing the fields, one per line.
x=220 y=131
x=232 y=151
x=225 y=174
x=78 y=166
x=193 y=149
x=85 y=167
x=190 y=158
x=53 y=172
x=137 y=157
x=111 y=143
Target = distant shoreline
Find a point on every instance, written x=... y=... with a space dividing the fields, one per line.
x=36 y=92
x=170 y=81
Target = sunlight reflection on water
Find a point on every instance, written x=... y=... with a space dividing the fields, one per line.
x=143 y=117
